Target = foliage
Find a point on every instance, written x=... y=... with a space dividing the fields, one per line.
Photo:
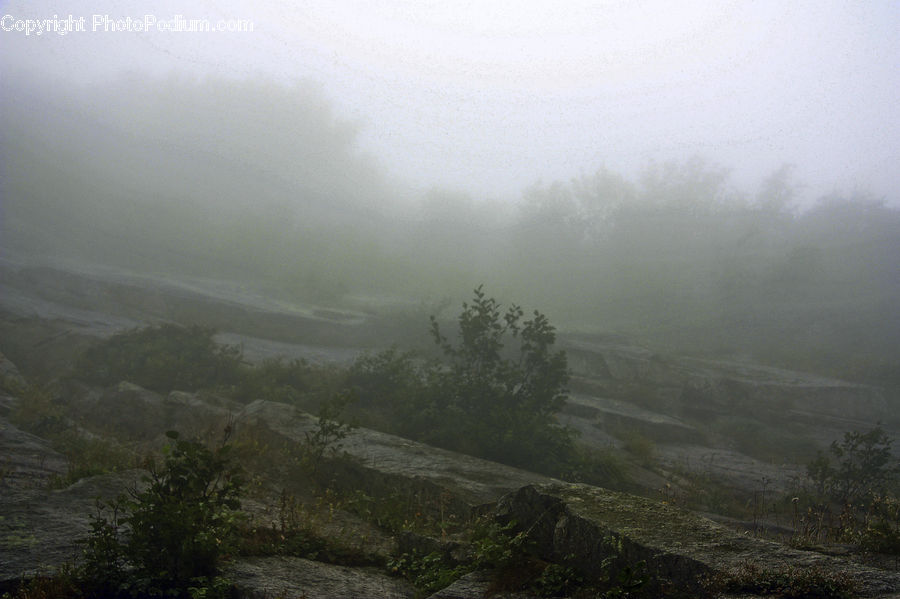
x=395 y=385
x=429 y=573
x=507 y=552
x=639 y=445
x=499 y=546
x=161 y=358
x=40 y=412
x=765 y=441
x=881 y=533
x=331 y=429
x=295 y=382
x=90 y=456
x=557 y=580
x=864 y=466
x=853 y=499
x=495 y=395
x=297 y=532
x=494 y=546
x=170 y=537
x=605 y=467
x=61 y=584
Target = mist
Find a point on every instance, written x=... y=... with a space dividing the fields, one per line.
x=167 y=161
x=401 y=275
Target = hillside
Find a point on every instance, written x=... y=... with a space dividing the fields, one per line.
x=679 y=435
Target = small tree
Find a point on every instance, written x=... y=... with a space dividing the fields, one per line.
x=503 y=383
x=175 y=531
x=858 y=468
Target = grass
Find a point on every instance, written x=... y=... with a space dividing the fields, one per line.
x=41 y=413
x=810 y=582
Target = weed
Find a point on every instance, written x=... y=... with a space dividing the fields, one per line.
x=429 y=573
x=813 y=582
x=639 y=445
x=330 y=430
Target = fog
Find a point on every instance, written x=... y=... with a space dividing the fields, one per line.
x=718 y=179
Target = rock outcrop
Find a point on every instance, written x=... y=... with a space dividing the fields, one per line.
x=602 y=532
x=40 y=530
x=382 y=464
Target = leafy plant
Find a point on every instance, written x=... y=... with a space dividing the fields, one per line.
x=170 y=537
x=495 y=395
x=331 y=429
x=429 y=573
x=882 y=528
x=858 y=467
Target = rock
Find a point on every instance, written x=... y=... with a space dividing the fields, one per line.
x=613 y=414
x=474 y=585
x=40 y=532
x=9 y=374
x=265 y=577
x=585 y=526
x=27 y=463
x=703 y=388
x=383 y=464
x=132 y=413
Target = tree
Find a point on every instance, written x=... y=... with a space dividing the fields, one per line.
x=494 y=395
x=501 y=396
x=864 y=466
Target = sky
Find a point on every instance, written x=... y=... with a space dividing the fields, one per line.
x=490 y=97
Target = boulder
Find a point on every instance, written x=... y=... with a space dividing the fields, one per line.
x=129 y=412
x=603 y=533
x=383 y=464
x=27 y=463
x=40 y=532
x=9 y=374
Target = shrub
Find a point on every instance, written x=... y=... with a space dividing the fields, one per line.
x=858 y=468
x=170 y=537
x=161 y=358
x=331 y=429
x=502 y=385
x=882 y=530
x=495 y=395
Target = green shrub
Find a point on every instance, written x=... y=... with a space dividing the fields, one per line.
x=857 y=468
x=161 y=358
x=330 y=430
x=295 y=382
x=168 y=539
x=764 y=441
x=429 y=573
x=495 y=395
x=881 y=533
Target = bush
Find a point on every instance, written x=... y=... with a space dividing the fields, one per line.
x=503 y=384
x=171 y=537
x=495 y=395
x=859 y=467
x=161 y=358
